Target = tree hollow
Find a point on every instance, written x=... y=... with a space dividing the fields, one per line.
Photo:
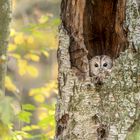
x=95 y=28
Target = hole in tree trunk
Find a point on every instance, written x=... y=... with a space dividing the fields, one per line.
x=103 y=27
x=95 y=28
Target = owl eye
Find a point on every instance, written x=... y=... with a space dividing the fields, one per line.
x=105 y=64
x=96 y=65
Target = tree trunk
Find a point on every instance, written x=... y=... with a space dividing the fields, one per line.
x=5 y=18
x=86 y=111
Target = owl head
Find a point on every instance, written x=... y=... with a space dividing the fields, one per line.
x=100 y=66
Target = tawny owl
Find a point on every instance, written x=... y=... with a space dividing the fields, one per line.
x=100 y=66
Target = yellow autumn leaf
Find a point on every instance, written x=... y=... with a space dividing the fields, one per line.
x=32 y=57
x=50 y=86
x=39 y=98
x=45 y=53
x=34 y=127
x=22 y=66
x=32 y=71
x=43 y=19
x=30 y=40
x=16 y=56
x=35 y=91
x=11 y=47
x=19 y=39
x=51 y=112
x=12 y=32
x=9 y=84
x=42 y=114
x=51 y=134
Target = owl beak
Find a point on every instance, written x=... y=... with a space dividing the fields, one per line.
x=101 y=69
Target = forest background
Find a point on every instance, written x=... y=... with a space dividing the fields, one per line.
x=31 y=80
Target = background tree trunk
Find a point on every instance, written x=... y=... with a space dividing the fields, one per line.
x=5 y=18
x=86 y=111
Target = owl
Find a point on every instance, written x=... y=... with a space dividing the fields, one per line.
x=100 y=66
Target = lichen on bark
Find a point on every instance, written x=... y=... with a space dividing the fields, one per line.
x=132 y=22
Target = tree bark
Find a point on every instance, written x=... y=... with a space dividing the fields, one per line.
x=110 y=111
x=5 y=18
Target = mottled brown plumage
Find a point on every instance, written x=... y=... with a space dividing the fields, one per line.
x=100 y=66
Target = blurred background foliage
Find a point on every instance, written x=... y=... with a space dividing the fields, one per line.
x=31 y=85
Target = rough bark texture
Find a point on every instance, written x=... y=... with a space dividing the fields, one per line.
x=111 y=111
x=5 y=18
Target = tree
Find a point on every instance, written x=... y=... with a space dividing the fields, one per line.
x=98 y=112
x=5 y=19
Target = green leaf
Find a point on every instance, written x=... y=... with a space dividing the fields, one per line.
x=47 y=121
x=28 y=107
x=56 y=21
x=25 y=116
x=6 y=110
x=27 y=128
x=30 y=128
